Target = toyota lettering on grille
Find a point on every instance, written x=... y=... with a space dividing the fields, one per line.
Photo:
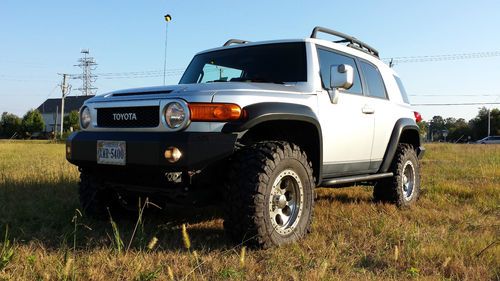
x=124 y=116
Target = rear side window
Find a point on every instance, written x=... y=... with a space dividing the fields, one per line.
x=402 y=90
x=373 y=80
x=327 y=59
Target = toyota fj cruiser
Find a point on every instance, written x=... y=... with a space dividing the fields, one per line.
x=259 y=125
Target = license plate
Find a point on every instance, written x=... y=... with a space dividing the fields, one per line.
x=111 y=152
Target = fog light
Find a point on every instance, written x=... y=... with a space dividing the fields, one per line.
x=173 y=154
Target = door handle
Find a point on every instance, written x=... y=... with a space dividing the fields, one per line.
x=368 y=110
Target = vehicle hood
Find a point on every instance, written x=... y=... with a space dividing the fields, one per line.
x=198 y=92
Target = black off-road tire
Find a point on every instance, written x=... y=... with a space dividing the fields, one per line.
x=254 y=171
x=392 y=190
x=95 y=198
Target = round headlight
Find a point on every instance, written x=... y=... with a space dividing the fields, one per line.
x=175 y=115
x=85 y=118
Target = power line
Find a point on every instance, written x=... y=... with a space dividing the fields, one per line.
x=146 y=74
x=454 y=95
x=51 y=92
x=444 y=57
x=445 y=104
x=137 y=74
x=23 y=78
x=140 y=72
x=396 y=60
x=143 y=76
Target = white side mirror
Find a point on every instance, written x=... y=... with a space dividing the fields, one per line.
x=341 y=76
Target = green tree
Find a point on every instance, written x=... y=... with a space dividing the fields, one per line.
x=458 y=130
x=479 y=124
x=72 y=120
x=423 y=128
x=10 y=124
x=33 y=122
x=436 y=127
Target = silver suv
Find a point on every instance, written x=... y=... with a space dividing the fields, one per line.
x=259 y=125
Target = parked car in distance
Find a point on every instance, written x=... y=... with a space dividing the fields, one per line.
x=489 y=140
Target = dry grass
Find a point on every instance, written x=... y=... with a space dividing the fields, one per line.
x=452 y=233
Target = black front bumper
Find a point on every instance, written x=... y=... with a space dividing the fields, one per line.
x=147 y=148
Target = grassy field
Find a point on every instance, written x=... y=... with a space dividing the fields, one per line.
x=451 y=234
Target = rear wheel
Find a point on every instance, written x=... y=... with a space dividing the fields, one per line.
x=269 y=195
x=403 y=188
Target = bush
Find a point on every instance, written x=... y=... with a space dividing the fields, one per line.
x=10 y=124
x=72 y=120
x=33 y=122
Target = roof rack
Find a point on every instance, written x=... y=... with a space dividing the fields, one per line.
x=353 y=42
x=235 y=41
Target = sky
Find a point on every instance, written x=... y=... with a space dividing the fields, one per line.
x=39 y=39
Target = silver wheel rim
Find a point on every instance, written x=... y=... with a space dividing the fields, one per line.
x=408 y=180
x=285 y=202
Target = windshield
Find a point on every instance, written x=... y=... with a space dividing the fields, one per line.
x=271 y=63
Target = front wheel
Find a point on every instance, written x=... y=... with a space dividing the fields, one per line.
x=269 y=195
x=96 y=199
x=403 y=188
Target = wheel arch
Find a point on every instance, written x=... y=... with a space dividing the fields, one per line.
x=405 y=131
x=282 y=121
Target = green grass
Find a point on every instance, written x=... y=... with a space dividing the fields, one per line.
x=452 y=233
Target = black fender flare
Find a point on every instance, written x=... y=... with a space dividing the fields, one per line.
x=258 y=113
x=401 y=126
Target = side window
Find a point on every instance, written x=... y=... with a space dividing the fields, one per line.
x=402 y=89
x=373 y=80
x=327 y=59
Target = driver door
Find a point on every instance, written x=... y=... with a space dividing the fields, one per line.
x=347 y=125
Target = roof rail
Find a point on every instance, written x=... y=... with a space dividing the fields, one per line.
x=235 y=41
x=353 y=42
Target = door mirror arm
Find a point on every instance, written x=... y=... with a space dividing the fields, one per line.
x=334 y=95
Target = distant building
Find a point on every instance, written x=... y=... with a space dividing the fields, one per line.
x=51 y=109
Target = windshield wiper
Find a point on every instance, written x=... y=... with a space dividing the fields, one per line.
x=255 y=80
x=258 y=80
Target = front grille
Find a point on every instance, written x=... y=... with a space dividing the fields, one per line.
x=128 y=117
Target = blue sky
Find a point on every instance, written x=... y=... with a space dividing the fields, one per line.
x=39 y=39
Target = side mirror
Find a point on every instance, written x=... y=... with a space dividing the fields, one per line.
x=341 y=76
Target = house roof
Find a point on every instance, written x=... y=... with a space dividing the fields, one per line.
x=71 y=103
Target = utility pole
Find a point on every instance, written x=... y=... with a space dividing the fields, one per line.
x=87 y=64
x=55 y=125
x=489 y=121
x=65 y=89
x=168 y=18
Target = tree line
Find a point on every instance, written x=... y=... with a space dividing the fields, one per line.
x=32 y=124
x=437 y=129
x=459 y=130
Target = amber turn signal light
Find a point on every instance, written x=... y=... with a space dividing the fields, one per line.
x=214 y=111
